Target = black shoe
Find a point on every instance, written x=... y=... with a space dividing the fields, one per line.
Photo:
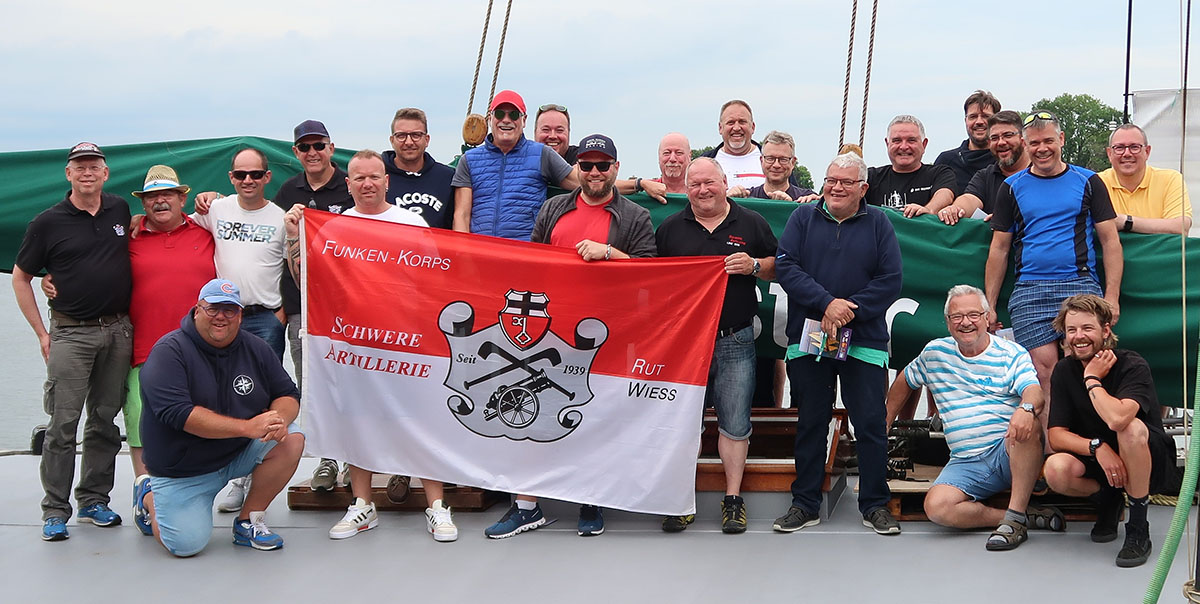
x=1137 y=546
x=733 y=515
x=1109 y=505
x=796 y=519
x=676 y=524
x=882 y=522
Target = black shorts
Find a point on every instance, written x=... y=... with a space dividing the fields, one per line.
x=1162 y=462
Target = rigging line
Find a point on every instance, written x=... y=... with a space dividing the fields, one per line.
x=1128 y=54
x=1187 y=25
x=862 y=128
x=487 y=21
x=500 y=52
x=846 y=88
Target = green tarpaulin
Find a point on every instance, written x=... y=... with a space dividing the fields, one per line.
x=936 y=257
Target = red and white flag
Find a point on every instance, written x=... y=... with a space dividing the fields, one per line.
x=507 y=365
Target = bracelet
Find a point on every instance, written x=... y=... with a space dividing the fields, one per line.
x=608 y=252
x=1091 y=377
x=1094 y=386
x=637 y=185
x=290 y=240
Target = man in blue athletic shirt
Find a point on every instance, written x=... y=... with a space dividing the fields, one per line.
x=1051 y=216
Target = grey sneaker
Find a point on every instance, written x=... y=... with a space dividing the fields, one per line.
x=325 y=476
x=881 y=520
x=796 y=519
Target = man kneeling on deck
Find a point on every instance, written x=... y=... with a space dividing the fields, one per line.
x=218 y=405
x=1106 y=426
x=988 y=396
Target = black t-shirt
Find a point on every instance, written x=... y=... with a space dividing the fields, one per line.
x=1129 y=378
x=333 y=197
x=891 y=189
x=793 y=191
x=965 y=162
x=88 y=256
x=572 y=156
x=743 y=230
x=986 y=186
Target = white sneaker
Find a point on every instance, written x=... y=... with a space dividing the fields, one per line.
x=360 y=516
x=440 y=523
x=236 y=496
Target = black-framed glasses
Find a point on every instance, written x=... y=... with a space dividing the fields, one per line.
x=402 y=136
x=1008 y=136
x=1135 y=148
x=304 y=147
x=845 y=182
x=1039 y=115
x=228 y=311
x=772 y=159
x=513 y=114
x=603 y=166
x=970 y=316
x=253 y=174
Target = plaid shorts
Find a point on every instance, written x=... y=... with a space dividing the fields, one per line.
x=1034 y=304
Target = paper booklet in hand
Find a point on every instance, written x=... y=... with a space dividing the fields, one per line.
x=818 y=343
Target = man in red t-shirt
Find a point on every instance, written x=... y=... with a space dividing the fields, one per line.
x=600 y=224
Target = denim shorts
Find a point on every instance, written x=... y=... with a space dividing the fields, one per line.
x=183 y=506
x=981 y=476
x=731 y=383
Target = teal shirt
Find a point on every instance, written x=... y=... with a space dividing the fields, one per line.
x=872 y=356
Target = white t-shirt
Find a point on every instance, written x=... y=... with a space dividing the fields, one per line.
x=249 y=248
x=391 y=214
x=742 y=170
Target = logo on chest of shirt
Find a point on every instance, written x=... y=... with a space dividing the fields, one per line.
x=244 y=231
x=425 y=199
x=735 y=241
x=119 y=230
x=243 y=385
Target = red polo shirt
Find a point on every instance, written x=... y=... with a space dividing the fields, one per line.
x=168 y=271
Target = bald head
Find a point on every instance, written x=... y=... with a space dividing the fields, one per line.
x=674 y=154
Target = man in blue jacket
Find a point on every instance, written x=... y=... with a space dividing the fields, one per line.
x=218 y=406
x=839 y=263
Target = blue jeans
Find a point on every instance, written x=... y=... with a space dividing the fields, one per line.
x=731 y=383
x=267 y=327
x=183 y=506
x=864 y=389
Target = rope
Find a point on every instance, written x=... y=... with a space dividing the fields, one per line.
x=500 y=52
x=846 y=88
x=487 y=21
x=1128 y=54
x=862 y=128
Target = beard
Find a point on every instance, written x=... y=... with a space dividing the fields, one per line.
x=1013 y=158
x=598 y=191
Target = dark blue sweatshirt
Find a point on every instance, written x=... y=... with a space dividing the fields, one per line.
x=184 y=371
x=427 y=192
x=857 y=260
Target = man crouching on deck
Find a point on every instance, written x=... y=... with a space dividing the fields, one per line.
x=218 y=406
x=988 y=396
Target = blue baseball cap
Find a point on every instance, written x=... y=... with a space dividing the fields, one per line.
x=221 y=291
x=599 y=143
x=309 y=128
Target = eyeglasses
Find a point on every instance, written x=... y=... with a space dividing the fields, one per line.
x=1008 y=136
x=1039 y=115
x=512 y=114
x=771 y=159
x=1133 y=149
x=304 y=147
x=845 y=182
x=970 y=316
x=228 y=312
x=253 y=174
x=403 y=136
x=603 y=166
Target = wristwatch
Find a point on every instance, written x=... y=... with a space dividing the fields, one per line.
x=1093 y=445
x=1128 y=228
x=757 y=267
x=1029 y=407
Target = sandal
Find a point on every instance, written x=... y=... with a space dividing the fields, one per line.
x=1046 y=518
x=1007 y=536
x=397 y=489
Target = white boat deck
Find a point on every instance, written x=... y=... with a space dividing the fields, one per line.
x=633 y=561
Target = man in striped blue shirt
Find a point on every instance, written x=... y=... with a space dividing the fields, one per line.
x=988 y=397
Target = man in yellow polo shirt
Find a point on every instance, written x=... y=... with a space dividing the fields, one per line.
x=1147 y=199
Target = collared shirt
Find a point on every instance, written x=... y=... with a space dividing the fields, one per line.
x=168 y=269
x=1161 y=194
x=333 y=196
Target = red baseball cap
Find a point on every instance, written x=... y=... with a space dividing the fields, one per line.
x=507 y=96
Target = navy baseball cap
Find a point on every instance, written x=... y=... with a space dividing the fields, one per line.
x=221 y=291
x=309 y=128
x=599 y=143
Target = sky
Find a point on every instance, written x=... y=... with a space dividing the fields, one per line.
x=134 y=71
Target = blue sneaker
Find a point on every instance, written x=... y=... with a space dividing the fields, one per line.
x=516 y=521
x=591 y=521
x=141 y=514
x=254 y=533
x=99 y=514
x=55 y=529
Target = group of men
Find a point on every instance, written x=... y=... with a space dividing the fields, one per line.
x=837 y=259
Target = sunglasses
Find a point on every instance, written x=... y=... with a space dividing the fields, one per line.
x=553 y=107
x=304 y=147
x=253 y=174
x=1039 y=115
x=512 y=114
x=603 y=166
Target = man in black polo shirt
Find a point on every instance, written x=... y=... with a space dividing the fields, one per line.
x=83 y=241
x=321 y=186
x=1008 y=148
x=906 y=184
x=713 y=225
